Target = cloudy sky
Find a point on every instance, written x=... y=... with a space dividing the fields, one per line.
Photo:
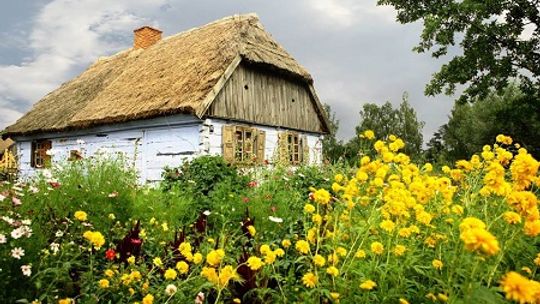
x=354 y=49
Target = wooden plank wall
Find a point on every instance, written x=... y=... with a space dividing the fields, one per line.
x=266 y=98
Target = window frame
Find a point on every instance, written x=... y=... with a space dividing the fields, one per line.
x=39 y=158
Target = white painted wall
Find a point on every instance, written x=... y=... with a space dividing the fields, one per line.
x=271 y=145
x=152 y=145
x=148 y=145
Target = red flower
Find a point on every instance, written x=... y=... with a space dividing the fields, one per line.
x=55 y=185
x=245 y=199
x=252 y=184
x=110 y=254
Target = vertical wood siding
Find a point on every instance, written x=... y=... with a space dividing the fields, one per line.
x=264 y=98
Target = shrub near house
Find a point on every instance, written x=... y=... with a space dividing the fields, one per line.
x=388 y=231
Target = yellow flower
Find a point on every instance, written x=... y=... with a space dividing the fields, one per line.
x=368 y=285
x=197 y=258
x=157 y=262
x=537 y=259
x=334 y=296
x=341 y=251
x=360 y=254
x=518 y=288
x=322 y=196
x=532 y=228
x=286 y=243
x=109 y=273
x=96 y=238
x=252 y=231
x=369 y=134
x=377 y=248
x=65 y=301
x=270 y=257
x=442 y=297
x=477 y=239
x=403 y=301
x=148 y=299
x=317 y=219
x=255 y=263
x=399 y=250
x=387 y=225
x=302 y=246
x=437 y=264
x=333 y=271
x=210 y=274
x=182 y=267
x=214 y=257
x=237 y=301
x=319 y=260
x=512 y=217
x=310 y=280
x=81 y=216
x=226 y=274
x=264 y=249
x=309 y=208
x=279 y=252
x=131 y=260
x=104 y=283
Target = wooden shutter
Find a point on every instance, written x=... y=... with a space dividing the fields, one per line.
x=227 y=142
x=261 y=141
x=305 y=149
x=283 y=148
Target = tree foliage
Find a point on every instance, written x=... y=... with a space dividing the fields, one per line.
x=499 y=39
x=385 y=120
x=471 y=126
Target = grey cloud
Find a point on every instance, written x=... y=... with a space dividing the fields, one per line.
x=354 y=50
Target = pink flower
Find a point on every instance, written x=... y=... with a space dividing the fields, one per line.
x=245 y=199
x=199 y=299
x=16 y=201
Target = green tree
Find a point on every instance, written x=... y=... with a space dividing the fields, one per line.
x=385 y=120
x=492 y=34
x=333 y=149
x=472 y=126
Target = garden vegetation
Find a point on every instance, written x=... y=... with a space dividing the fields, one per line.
x=385 y=230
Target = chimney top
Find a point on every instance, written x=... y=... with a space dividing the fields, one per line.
x=145 y=37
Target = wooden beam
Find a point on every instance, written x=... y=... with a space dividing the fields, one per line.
x=219 y=85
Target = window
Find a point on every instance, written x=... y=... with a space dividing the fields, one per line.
x=293 y=148
x=243 y=144
x=39 y=157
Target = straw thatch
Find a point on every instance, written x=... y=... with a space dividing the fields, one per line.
x=5 y=144
x=173 y=76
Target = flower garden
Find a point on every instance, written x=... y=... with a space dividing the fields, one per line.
x=385 y=231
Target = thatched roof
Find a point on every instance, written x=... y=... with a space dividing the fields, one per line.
x=176 y=75
x=5 y=144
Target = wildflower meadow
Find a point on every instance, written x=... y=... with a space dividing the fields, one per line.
x=385 y=230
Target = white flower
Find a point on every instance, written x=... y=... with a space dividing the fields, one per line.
x=16 y=201
x=286 y=178
x=17 y=233
x=47 y=173
x=26 y=231
x=8 y=220
x=17 y=188
x=59 y=233
x=55 y=247
x=33 y=189
x=301 y=175
x=26 y=270
x=3 y=238
x=2 y=197
x=80 y=142
x=275 y=219
x=26 y=222
x=200 y=298
x=207 y=212
x=17 y=253
x=170 y=289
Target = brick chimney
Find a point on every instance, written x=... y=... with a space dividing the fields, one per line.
x=145 y=37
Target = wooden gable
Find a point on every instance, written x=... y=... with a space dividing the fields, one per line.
x=254 y=95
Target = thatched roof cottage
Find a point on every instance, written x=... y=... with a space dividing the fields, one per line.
x=224 y=88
